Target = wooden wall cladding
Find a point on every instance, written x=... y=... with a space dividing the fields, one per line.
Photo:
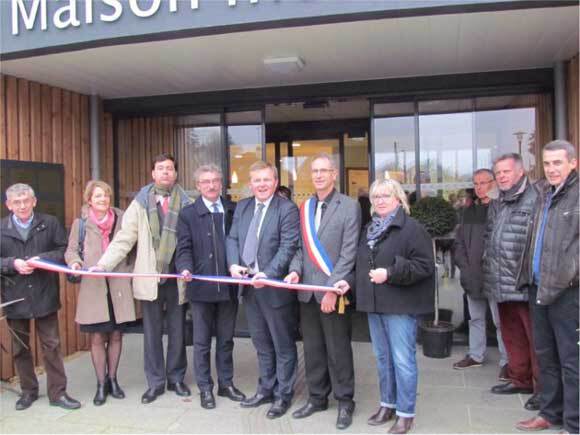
x=573 y=88
x=138 y=141
x=41 y=123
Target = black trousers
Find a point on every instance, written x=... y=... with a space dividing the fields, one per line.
x=327 y=353
x=47 y=330
x=206 y=317
x=273 y=335
x=556 y=343
x=166 y=305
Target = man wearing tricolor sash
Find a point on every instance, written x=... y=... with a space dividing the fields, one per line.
x=330 y=225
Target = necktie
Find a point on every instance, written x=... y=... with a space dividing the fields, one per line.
x=165 y=205
x=216 y=211
x=320 y=207
x=215 y=207
x=251 y=245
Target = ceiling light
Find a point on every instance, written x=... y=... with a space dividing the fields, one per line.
x=296 y=145
x=238 y=156
x=284 y=65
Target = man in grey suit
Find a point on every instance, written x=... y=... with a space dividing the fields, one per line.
x=261 y=243
x=330 y=223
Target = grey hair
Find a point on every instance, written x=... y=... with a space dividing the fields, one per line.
x=325 y=156
x=513 y=156
x=392 y=187
x=18 y=189
x=210 y=167
x=485 y=171
x=557 y=145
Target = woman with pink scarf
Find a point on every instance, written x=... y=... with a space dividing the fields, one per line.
x=103 y=304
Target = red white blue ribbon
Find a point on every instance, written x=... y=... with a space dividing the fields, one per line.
x=310 y=239
x=59 y=268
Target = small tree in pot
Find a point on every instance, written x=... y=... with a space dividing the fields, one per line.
x=439 y=218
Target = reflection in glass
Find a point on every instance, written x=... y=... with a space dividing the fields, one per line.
x=245 y=148
x=395 y=150
x=356 y=165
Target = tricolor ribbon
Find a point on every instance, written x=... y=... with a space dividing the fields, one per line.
x=54 y=267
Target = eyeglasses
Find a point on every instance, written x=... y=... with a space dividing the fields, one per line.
x=208 y=182
x=322 y=171
x=383 y=197
x=483 y=183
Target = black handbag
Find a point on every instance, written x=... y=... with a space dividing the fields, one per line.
x=75 y=279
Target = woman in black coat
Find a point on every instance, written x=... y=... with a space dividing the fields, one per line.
x=394 y=283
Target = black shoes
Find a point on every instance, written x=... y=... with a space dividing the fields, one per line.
x=66 y=402
x=25 y=401
x=207 y=399
x=115 y=390
x=231 y=393
x=510 y=388
x=383 y=415
x=309 y=409
x=256 y=400
x=101 y=394
x=278 y=409
x=344 y=418
x=151 y=394
x=180 y=389
x=533 y=403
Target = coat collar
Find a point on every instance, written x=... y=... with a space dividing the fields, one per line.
x=201 y=209
x=9 y=229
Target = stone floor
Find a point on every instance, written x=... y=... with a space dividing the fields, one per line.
x=448 y=401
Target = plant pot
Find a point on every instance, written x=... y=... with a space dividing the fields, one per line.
x=445 y=315
x=437 y=340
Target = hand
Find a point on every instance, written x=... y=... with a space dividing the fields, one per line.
x=342 y=286
x=22 y=267
x=292 y=278
x=256 y=280
x=96 y=268
x=238 y=271
x=328 y=304
x=186 y=275
x=76 y=266
x=378 y=276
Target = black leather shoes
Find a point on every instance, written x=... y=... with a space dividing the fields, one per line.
x=510 y=388
x=383 y=415
x=256 y=400
x=533 y=403
x=115 y=390
x=151 y=394
x=231 y=393
x=344 y=418
x=309 y=409
x=25 y=401
x=207 y=400
x=180 y=389
x=278 y=409
x=101 y=394
x=66 y=402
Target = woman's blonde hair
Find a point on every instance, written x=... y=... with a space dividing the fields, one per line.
x=391 y=187
x=92 y=185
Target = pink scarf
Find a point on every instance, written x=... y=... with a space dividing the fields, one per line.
x=104 y=225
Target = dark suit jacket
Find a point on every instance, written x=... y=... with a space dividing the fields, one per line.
x=277 y=243
x=201 y=250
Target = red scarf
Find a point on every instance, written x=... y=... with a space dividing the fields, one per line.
x=104 y=225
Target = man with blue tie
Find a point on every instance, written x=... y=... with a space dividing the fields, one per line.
x=261 y=243
x=201 y=249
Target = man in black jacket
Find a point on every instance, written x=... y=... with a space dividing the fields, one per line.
x=27 y=235
x=201 y=250
x=508 y=233
x=553 y=262
x=468 y=252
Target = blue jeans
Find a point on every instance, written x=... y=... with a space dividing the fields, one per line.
x=393 y=337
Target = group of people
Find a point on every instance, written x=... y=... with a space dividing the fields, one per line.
x=387 y=269
x=518 y=255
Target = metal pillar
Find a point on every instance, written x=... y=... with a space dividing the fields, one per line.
x=95 y=138
x=560 y=114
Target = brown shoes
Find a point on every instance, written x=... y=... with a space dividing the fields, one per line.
x=402 y=425
x=534 y=424
x=466 y=363
x=383 y=415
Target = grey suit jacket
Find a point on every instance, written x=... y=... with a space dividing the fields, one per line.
x=338 y=232
x=277 y=243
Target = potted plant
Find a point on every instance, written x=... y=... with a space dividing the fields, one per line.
x=439 y=218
